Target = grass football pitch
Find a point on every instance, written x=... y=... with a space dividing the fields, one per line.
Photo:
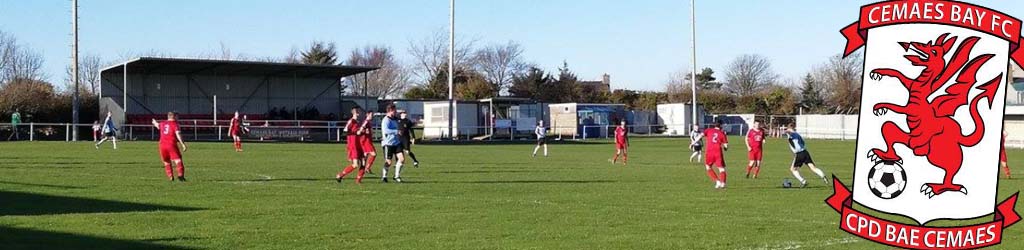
x=57 y=195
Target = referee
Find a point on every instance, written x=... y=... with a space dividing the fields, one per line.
x=407 y=135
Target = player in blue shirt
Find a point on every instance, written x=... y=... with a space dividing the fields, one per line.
x=801 y=156
x=392 y=144
x=109 y=131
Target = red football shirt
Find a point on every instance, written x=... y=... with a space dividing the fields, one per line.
x=715 y=138
x=236 y=126
x=620 y=135
x=168 y=133
x=755 y=138
x=351 y=128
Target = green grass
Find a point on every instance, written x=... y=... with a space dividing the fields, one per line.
x=56 y=195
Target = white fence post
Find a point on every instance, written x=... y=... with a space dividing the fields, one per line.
x=31 y=131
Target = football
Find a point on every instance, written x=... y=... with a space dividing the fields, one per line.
x=887 y=180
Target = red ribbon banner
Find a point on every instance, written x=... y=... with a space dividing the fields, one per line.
x=919 y=237
x=953 y=13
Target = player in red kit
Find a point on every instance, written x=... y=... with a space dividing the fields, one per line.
x=170 y=137
x=236 y=131
x=713 y=153
x=621 y=142
x=366 y=142
x=1002 y=154
x=353 y=143
x=755 y=142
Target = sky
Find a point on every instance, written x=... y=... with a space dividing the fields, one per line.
x=639 y=43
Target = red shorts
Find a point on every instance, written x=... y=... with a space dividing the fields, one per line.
x=1002 y=155
x=714 y=160
x=169 y=152
x=233 y=133
x=754 y=154
x=366 y=145
x=620 y=145
x=354 y=151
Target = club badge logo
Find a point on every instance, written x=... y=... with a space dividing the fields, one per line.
x=934 y=86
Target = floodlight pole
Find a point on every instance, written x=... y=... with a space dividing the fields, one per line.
x=74 y=69
x=693 y=59
x=451 y=68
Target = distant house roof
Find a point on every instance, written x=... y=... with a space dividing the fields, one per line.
x=192 y=66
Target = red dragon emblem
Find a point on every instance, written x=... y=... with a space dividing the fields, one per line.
x=933 y=131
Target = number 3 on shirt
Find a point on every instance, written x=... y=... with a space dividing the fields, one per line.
x=167 y=129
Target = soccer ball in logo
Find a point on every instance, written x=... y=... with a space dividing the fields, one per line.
x=887 y=180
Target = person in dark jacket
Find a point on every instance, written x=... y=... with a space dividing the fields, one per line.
x=408 y=136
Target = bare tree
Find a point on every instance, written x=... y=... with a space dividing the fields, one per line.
x=498 y=63
x=388 y=81
x=431 y=54
x=678 y=86
x=748 y=74
x=841 y=80
x=8 y=46
x=225 y=51
x=294 y=56
x=89 y=75
x=18 y=62
x=24 y=64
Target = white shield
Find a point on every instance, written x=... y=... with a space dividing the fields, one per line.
x=934 y=135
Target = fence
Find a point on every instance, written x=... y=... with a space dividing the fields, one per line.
x=841 y=127
x=195 y=130
x=810 y=126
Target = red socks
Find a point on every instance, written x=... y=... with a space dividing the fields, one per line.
x=359 y=175
x=346 y=171
x=369 y=160
x=757 y=171
x=711 y=173
x=749 y=167
x=181 y=168
x=616 y=158
x=167 y=168
x=722 y=176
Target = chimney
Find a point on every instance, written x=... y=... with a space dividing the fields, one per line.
x=606 y=80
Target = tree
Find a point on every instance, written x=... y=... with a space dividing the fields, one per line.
x=31 y=96
x=437 y=86
x=420 y=92
x=705 y=79
x=320 y=53
x=17 y=62
x=387 y=81
x=529 y=84
x=566 y=88
x=637 y=100
x=88 y=74
x=810 y=96
x=474 y=87
x=624 y=96
x=431 y=53
x=717 y=101
x=748 y=74
x=677 y=89
x=498 y=63
x=649 y=100
x=842 y=81
x=778 y=100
